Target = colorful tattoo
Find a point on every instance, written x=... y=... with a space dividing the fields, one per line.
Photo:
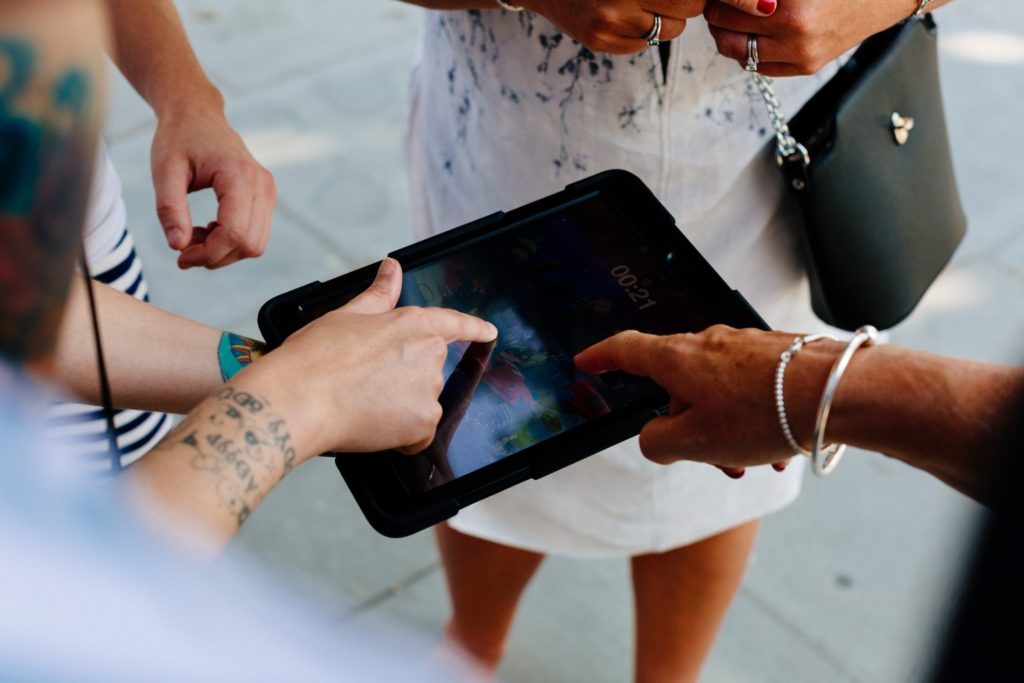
x=48 y=135
x=237 y=439
x=235 y=352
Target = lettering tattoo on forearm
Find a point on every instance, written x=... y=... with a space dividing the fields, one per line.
x=238 y=440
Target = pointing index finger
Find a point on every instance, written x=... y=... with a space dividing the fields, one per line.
x=632 y=351
x=454 y=326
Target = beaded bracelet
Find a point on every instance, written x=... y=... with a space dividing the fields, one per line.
x=780 y=377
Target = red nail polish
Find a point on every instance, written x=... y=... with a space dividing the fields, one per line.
x=766 y=6
x=735 y=474
x=779 y=467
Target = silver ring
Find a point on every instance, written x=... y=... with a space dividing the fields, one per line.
x=752 y=58
x=654 y=37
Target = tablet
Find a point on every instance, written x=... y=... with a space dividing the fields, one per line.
x=554 y=276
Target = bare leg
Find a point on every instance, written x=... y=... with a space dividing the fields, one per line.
x=485 y=581
x=681 y=598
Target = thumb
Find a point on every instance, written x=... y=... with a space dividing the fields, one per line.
x=757 y=8
x=171 y=181
x=382 y=295
x=665 y=440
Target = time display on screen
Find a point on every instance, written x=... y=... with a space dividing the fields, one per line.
x=634 y=287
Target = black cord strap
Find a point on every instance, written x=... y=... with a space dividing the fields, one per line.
x=108 y=404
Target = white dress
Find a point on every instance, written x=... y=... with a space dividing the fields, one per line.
x=504 y=109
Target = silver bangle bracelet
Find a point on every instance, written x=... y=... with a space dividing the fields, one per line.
x=825 y=459
x=517 y=8
x=780 y=378
x=921 y=9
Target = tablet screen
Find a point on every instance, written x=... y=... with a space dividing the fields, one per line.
x=552 y=286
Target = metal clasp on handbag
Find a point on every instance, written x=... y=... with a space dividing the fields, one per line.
x=788 y=149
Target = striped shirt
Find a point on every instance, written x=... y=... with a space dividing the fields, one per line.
x=112 y=261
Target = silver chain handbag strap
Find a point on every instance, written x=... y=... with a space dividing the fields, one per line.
x=787 y=147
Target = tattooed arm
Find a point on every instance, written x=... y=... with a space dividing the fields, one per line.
x=364 y=378
x=155 y=360
x=50 y=76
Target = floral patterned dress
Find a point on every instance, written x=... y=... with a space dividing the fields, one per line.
x=505 y=109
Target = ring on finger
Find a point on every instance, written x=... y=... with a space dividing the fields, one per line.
x=653 y=37
x=752 y=58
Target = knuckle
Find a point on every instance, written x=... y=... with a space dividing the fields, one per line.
x=250 y=246
x=166 y=210
x=675 y=31
x=678 y=343
x=248 y=171
x=437 y=348
x=593 y=39
x=233 y=233
x=603 y=18
x=722 y=45
x=412 y=315
x=426 y=423
x=716 y=337
x=799 y=21
x=267 y=183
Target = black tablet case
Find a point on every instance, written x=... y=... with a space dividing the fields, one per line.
x=396 y=516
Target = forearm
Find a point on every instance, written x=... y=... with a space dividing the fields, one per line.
x=155 y=360
x=154 y=54
x=212 y=471
x=949 y=417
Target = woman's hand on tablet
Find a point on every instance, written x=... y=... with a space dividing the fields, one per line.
x=367 y=376
x=721 y=383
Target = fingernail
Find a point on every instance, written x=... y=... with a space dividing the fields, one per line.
x=766 y=7
x=494 y=330
x=779 y=468
x=735 y=474
x=387 y=267
x=175 y=235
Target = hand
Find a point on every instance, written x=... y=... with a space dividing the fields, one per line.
x=721 y=384
x=367 y=377
x=801 y=36
x=432 y=468
x=199 y=150
x=616 y=26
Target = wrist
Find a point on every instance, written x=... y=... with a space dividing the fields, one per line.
x=235 y=353
x=867 y=412
x=287 y=402
x=314 y=419
x=201 y=99
x=804 y=382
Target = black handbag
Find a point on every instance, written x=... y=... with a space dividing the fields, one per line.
x=868 y=158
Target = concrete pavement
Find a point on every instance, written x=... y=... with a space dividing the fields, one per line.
x=848 y=584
